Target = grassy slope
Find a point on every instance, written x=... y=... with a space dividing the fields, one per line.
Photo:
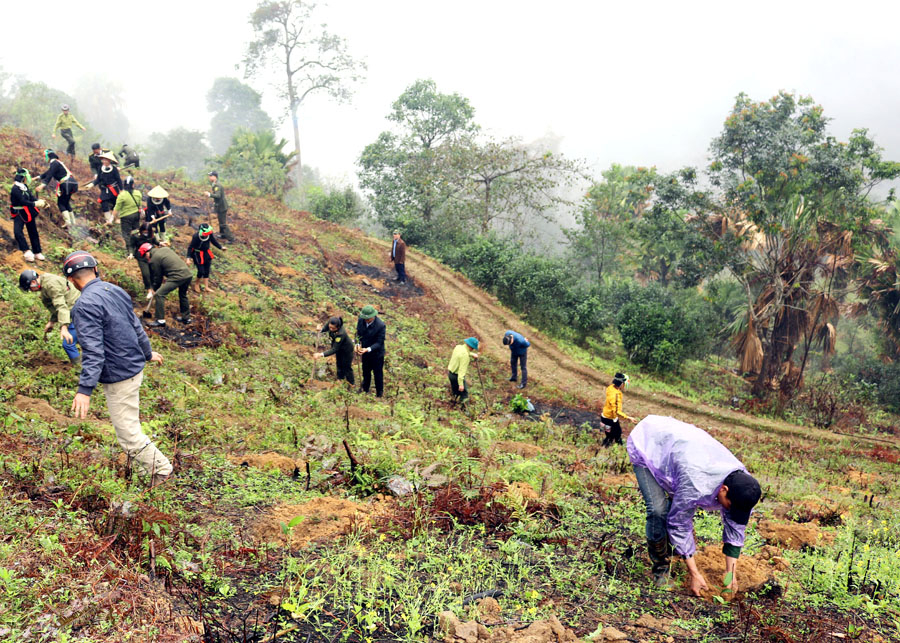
x=193 y=555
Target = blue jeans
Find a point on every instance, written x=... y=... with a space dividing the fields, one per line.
x=522 y=360
x=72 y=349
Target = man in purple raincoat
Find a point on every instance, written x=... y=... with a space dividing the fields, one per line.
x=680 y=467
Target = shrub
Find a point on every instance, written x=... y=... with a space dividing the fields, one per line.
x=334 y=204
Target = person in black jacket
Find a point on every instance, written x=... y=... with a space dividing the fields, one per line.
x=23 y=208
x=200 y=254
x=66 y=185
x=341 y=348
x=110 y=183
x=94 y=158
x=158 y=206
x=370 y=332
x=114 y=351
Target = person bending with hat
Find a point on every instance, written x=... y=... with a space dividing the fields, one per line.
x=200 y=254
x=459 y=367
x=680 y=468
x=370 y=332
x=59 y=297
x=168 y=266
x=157 y=207
x=114 y=351
x=398 y=256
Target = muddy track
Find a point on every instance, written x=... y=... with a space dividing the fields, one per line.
x=553 y=368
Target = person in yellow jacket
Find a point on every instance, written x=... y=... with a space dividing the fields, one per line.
x=459 y=366
x=612 y=410
x=64 y=123
x=129 y=205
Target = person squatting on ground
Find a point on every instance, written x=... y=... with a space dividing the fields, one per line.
x=459 y=367
x=110 y=184
x=128 y=206
x=612 y=410
x=341 y=348
x=115 y=349
x=59 y=297
x=129 y=156
x=157 y=207
x=518 y=355
x=64 y=123
x=66 y=185
x=370 y=332
x=398 y=256
x=139 y=237
x=165 y=264
x=680 y=468
x=23 y=209
x=200 y=254
x=220 y=205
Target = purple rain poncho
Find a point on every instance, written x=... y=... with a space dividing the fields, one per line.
x=690 y=465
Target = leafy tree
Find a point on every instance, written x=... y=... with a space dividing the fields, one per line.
x=178 y=148
x=100 y=100
x=797 y=202
x=340 y=205
x=234 y=106
x=35 y=106
x=608 y=210
x=256 y=162
x=410 y=172
x=311 y=59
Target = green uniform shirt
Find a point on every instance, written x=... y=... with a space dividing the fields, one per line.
x=459 y=361
x=65 y=121
x=58 y=295
x=128 y=203
x=165 y=263
x=217 y=194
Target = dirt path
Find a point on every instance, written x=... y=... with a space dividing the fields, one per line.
x=553 y=368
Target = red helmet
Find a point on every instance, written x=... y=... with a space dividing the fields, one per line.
x=144 y=249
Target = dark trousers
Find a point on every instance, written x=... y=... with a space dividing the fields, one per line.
x=63 y=201
x=224 y=230
x=107 y=204
x=145 y=272
x=128 y=224
x=18 y=223
x=461 y=395
x=345 y=370
x=373 y=365
x=70 y=139
x=613 y=431
x=658 y=503
x=183 y=304
x=523 y=362
x=401 y=272
x=203 y=263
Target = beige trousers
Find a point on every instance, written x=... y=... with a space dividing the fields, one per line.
x=123 y=402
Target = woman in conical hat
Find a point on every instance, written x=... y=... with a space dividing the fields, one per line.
x=158 y=206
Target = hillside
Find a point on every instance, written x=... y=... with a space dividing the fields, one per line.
x=283 y=520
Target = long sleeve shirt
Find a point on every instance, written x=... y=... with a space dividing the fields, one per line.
x=690 y=465
x=65 y=121
x=519 y=344
x=200 y=245
x=56 y=171
x=612 y=408
x=217 y=194
x=341 y=344
x=371 y=335
x=59 y=297
x=22 y=202
x=156 y=210
x=459 y=361
x=165 y=263
x=114 y=346
x=128 y=203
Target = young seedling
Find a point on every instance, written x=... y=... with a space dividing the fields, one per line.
x=288 y=528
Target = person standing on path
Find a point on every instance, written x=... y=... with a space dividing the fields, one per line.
x=165 y=264
x=398 y=256
x=129 y=204
x=200 y=254
x=341 y=348
x=518 y=355
x=370 y=333
x=220 y=204
x=59 y=297
x=115 y=349
x=459 y=367
x=64 y=123
x=680 y=468
x=23 y=208
x=66 y=185
x=612 y=411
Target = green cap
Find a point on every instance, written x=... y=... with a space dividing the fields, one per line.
x=396 y=232
x=473 y=343
x=368 y=312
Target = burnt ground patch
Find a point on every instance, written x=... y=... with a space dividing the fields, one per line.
x=391 y=288
x=565 y=415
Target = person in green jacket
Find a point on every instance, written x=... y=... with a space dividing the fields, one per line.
x=58 y=296
x=165 y=264
x=459 y=367
x=128 y=206
x=220 y=204
x=64 y=123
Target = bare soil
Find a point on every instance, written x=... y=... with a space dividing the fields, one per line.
x=325 y=519
x=793 y=535
x=269 y=461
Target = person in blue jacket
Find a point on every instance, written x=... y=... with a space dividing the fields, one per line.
x=518 y=352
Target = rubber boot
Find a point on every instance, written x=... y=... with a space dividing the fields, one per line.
x=110 y=217
x=69 y=218
x=660 y=555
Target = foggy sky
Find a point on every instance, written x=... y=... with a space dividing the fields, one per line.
x=645 y=83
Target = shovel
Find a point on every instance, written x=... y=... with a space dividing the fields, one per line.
x=147 y=314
